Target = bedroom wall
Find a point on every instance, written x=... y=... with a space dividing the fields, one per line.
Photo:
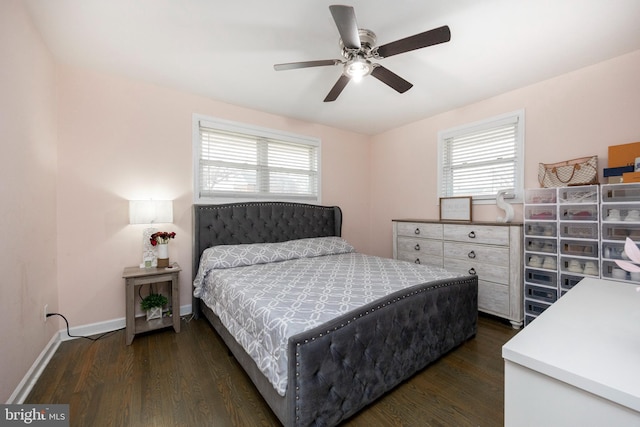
x=121 y=139
x=28 y=194
x=573 y=115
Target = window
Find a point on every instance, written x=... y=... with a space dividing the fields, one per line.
x=482 y=158
x=233 y=161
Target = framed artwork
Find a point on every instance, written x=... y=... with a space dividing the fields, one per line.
x=455 y=208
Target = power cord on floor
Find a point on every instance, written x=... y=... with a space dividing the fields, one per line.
x=81 y=336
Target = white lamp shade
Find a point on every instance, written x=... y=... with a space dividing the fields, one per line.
x=150 y=211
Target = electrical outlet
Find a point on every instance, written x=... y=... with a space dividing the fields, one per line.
x=46 y=308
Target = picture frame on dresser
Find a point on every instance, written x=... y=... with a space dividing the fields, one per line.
x=456 y=208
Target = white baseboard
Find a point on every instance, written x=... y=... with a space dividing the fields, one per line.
x=106 y=326
x=24 y=388
x=33 y=374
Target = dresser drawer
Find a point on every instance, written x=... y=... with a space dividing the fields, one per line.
x=419 y=229
x=486 y=272
x=419 y=247
x=424 y=259
x=473 y=233
x=495 y=255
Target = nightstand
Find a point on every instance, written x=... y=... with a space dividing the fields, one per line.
x=134 y=277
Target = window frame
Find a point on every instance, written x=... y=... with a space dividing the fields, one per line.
x=259 y=133
x=482 y=125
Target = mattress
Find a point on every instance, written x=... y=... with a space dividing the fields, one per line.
x=266 y=293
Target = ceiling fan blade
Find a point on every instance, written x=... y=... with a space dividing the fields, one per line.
x=418 y=41
x=345 y=18
x=390 y=78
x=306 y=64
x=336 y=90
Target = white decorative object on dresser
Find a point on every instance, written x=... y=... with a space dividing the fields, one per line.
x=493 y=251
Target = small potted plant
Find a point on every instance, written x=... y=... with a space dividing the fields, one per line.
x=153 y=304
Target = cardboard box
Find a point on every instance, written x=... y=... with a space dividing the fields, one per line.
x=614 y=179
x=623 y=155
x=617 y=171
x=631 y=177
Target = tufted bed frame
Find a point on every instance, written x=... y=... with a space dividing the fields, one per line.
x=380 y=345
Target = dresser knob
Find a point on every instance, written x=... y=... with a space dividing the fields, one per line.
x=417 y=261
x=417 y=247
x=471 y=254
x=472 y=235
x=472 y=271
x=417 y=231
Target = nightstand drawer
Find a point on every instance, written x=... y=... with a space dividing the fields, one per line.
x=473 y=233
x=418 y=229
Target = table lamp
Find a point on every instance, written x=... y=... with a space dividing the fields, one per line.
x=150 y=212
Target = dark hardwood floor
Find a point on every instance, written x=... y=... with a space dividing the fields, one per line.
x=188 y=379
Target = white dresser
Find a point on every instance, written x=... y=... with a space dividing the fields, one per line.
x=493 y=251
x=578 y=363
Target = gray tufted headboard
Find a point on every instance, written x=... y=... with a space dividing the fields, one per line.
x=260 y=222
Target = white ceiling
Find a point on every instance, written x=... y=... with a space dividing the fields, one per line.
x=225 y=50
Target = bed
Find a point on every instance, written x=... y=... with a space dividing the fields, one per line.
x=333 y=367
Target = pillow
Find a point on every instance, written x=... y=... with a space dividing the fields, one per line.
x=230 y=256
x=313 y=247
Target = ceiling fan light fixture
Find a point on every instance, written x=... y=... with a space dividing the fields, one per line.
x=358 y=47
x=357 y=68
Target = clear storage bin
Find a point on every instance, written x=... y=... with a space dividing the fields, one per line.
x=611 y=270
x=620 y=213
x=548 y=262
x=582 y=248
x=579 y=230
x=612 y=250
x=541 y=277
x=535 y=307
x=568 y=281
x=621 y=193
x=540 y=244
x=620 y=231
x=540 y=196
x=578 y=194
x=579 y=212
x=549 y=229
x=540 y=293
x=579 y=266
x=540 y=213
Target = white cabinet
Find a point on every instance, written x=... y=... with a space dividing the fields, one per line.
x=577 y=364
x=620 y=214
x=492 y=251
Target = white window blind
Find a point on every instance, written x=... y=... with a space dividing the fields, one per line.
x=481 y=159
x=241 y=162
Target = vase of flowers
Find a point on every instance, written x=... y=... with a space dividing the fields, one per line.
x=160 y=241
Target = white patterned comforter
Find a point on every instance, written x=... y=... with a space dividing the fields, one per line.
x=266 y=293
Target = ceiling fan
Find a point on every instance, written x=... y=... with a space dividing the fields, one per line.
x=358 y=48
